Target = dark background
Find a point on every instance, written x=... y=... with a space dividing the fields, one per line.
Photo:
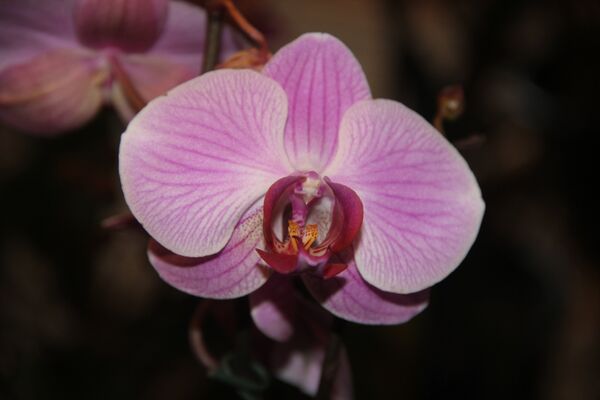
x=83 y=315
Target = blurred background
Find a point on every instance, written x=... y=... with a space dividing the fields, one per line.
x=83 y=314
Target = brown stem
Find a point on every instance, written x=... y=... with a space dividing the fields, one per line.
x=196 y=337
x=244 y=25
x=249 y=58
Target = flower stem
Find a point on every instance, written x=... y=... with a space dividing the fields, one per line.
x=213 y=38
x=217 y=10
x=196 y=336
x=245 y=26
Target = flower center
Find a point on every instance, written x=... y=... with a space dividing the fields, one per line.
x=322 y=218
x=307 y=235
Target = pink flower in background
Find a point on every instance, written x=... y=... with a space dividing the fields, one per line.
x=61 y=60
x=297 y=171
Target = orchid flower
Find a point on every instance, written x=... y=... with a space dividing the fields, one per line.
x=298 y=361
x=298 y=357
x=241 y=176
x=61 y=60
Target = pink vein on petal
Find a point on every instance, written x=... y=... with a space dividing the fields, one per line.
x=350 y=297
x=322 y=79
x=233 y=272
x=195 y=137
x=419 y=223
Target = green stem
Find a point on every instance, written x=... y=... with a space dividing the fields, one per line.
x=213 y=39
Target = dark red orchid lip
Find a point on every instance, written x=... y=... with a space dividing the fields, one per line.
x=350 y=211
x=272 y=197
x=298 y=252
x=282 y=263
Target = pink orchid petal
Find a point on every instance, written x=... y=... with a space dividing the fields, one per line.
x=176 y=57
x=130 y=25
x=299 y=364
x=322 y=79
x=299 y=360
x=52 y=93
x=422 y=204
x=31 y=27
x=350 y=297
x=192 y=162
x=233 y=272
x=301 y=331
x=152 y=76
x=183 y=38
x=274 y=308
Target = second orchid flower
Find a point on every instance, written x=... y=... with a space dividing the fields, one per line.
x=61 y=60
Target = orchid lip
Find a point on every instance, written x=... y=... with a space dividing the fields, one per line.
x=307 y=219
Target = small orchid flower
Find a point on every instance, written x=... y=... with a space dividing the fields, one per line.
x=298 y=361
x=298 y=357
x=61 y=60
x=241 y=176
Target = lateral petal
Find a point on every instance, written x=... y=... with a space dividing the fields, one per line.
x=192 y=162
x=350 y=297
x=234 y=272
x=422 y=204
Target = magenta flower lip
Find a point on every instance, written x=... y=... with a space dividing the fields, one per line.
x=297 y=170
x=309 y=246
x=62 y=60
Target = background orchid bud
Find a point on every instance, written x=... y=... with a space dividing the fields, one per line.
x=130 y=25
